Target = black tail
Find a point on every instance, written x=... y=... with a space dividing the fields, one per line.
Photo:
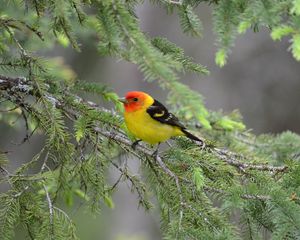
x=191 y=136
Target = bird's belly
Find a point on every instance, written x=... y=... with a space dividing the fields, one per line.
x=149 y=130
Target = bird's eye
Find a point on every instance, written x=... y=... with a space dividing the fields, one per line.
x=135 y=99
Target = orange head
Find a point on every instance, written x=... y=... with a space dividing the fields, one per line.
x=135 y=100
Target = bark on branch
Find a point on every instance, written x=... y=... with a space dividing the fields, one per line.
x=20 y=84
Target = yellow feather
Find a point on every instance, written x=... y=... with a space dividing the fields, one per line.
x=159 y=114
x=144 y=127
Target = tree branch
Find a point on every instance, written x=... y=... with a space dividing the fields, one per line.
x=231 y=159
x=50 y=206
x=20 y=84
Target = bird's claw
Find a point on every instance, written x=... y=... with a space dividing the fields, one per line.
x=134 y=144
x=201 y=144
x=155 y=154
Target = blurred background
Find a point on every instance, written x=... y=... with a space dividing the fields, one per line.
x=261 y=79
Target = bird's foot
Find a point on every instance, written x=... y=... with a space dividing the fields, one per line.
x=155 y=153
x=201 y=144
x=169 y=144
x=135 y=143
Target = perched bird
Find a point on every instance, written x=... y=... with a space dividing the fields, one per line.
x=150 y=121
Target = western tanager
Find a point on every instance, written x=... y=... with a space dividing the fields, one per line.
x=150 y=121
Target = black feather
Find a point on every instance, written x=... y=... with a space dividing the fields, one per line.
x=191 y=136
x=160 y=113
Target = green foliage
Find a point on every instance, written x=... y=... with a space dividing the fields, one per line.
x=296 y=7
x=228 y=124
x=3 y=159
x=189 y=21
x=80 y=128
x=100 y=90
x=296 y=46
x=231 y=17
x=177 y=54
x=243 y=26
x=221 y=57
x=82 y=139
x=225 y=23
x=198 y=178
x=281 y=31
x=9 y=215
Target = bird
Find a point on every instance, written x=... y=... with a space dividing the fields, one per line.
x=150 y=121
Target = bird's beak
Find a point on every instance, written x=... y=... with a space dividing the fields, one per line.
x=123 y=100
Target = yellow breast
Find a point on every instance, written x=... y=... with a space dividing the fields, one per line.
x=143 y=127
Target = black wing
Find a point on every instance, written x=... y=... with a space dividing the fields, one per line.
x=160 y=113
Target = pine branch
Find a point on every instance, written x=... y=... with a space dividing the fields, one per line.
x=184 y=178
x=50 y=206
x=13 y=23
x=231 y=159
x=19 y=83
x=18 y=88
x=138 y=189
x=243 y=196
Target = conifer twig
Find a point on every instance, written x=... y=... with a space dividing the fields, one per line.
x=119 y=138
x=129 y=177
x=44 y=165
x=225 y=155
x=50 y=206
x=175 y=2
x=243 y=196
x=10 y=23
x=229 y=157
x=175 y=177
x=20 y=84
x=4 y=171
x=22 y=50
